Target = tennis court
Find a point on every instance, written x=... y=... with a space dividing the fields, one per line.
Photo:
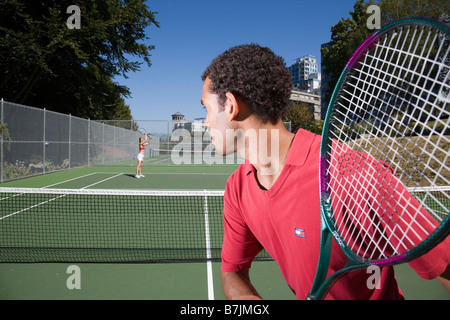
x=157 y=281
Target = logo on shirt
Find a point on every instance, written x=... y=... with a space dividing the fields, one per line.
x=299 y=233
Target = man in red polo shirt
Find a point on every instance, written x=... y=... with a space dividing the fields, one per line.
x=272 y=200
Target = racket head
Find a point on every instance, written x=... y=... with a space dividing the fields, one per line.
x=142 y=131
x=388 y=109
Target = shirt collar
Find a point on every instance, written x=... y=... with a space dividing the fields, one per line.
x=300 y=148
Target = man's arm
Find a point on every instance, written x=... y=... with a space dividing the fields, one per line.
x=237 y=286
x=444 y=279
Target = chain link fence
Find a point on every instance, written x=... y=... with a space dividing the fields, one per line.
x=38 y=141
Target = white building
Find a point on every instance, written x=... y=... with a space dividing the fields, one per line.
x=178 y=122
x=305 y=75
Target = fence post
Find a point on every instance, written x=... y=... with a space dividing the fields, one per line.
x=1 y=150
x=89 y=143
x=103 y=142
x=70 y=140
x=44 y=146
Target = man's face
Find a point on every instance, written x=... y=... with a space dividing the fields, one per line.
x=217 y=121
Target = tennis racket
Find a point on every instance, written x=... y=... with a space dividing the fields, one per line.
x=385 y=151
x=144 y=132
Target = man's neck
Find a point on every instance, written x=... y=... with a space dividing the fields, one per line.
x=266 y=147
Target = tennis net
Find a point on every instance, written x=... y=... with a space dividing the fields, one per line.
x=110 y=226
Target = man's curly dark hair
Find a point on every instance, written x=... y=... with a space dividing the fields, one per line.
x=254 y=74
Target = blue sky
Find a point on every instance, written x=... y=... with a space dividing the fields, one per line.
x=194 y=32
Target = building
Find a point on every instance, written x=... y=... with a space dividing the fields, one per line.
x=313 y=100
x=305 y=75
x=178 y=122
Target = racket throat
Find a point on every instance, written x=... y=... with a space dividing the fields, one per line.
x=323 y=264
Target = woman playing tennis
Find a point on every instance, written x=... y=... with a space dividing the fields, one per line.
x=142 y=143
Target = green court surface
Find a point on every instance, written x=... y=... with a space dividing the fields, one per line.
x=154 y=281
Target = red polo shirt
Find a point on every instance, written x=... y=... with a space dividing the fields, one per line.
x=285 y=220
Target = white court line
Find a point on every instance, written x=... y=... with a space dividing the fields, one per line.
x=157 y=161
x=26 y=209
x=208 y=254
x=89 y=174
x=102 y=181
x=86 y=175
x=58 y=197
x=33 y=206
x=184 y=173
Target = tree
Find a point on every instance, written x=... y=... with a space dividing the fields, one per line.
x=346 y=37
x=392 y=10
x=43 y=63
x=348 y=34
x=301 y=115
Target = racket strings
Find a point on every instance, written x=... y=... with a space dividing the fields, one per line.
x=398 y=72
x=373 y=226
x=398 y=123
x=392 y=111
x=367 y=232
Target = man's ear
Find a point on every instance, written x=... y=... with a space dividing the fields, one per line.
x=232 y=106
